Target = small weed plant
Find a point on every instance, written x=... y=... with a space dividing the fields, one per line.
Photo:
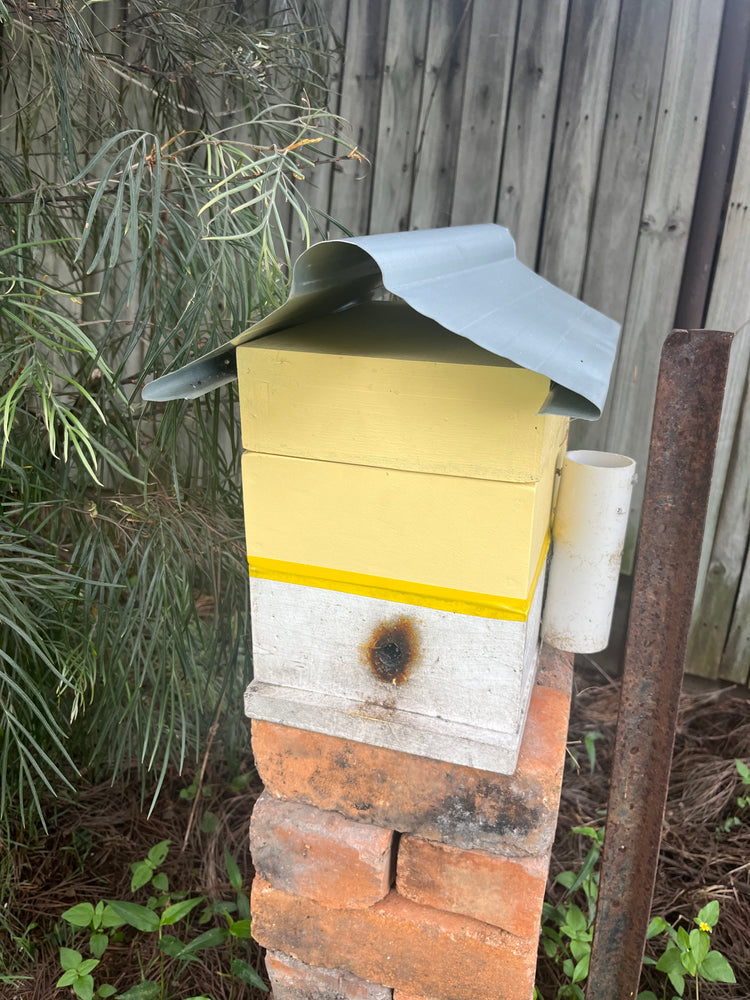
x=742 y=801
x=688 y=955
x=568 y=930
x=102 y=923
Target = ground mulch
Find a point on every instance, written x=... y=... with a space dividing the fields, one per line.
x=92 y=842
x=697 y=863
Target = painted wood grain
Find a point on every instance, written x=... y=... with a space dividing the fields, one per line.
x=484 y=111
x=584 y=94
x=440 y=120
x=660 y=251
x=400 y=107
x=379 y=385
x=474 y=535
x=462 y=694
x=531 y=113
x=351 y=189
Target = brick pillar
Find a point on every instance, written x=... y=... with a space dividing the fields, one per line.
x=386 y=876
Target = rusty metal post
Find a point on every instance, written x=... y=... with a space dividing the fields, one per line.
x=683 y=442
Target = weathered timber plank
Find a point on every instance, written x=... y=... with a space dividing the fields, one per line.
x=579 y=130
x=534 y=88
x=729 y=309
x=398 y=131
x=735 y=663
x=440 y=125
x=623 y=171
x=351 y=188
x=667 y=208
x=485 y=106
x=711 y=625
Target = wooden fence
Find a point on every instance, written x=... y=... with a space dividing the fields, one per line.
x=581 y=125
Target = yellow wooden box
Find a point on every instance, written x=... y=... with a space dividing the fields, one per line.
x=384 y=453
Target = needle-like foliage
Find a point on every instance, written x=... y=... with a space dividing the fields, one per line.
x=150 y=152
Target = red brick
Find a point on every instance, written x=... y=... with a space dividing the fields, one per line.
x=400 y=995
x=294 y=980
x=511 y=814
x=399 y=943
x=505 y=892
x=323 y=855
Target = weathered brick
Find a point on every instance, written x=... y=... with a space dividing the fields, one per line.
x=511 y=814
x=400 y=995
x=295 y=980
x=505 y=892
x=320 y=854
x=399 y=943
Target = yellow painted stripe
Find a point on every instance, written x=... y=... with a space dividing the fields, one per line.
x=463 y=602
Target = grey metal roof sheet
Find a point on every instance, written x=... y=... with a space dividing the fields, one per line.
x=467 y=279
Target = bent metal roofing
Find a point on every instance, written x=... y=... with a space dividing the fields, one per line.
x=467 y=279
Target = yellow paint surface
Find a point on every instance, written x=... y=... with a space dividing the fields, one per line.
x=460 y=602
x=476 y=535
x=380 y=385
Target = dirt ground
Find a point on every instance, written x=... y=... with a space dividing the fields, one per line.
x=91 y=845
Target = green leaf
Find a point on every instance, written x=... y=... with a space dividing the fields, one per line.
x=177 y=911
x=209 y=939
x=158 y=853
x=670 y=961
x=146 y=990
x=70 y=958
x=81 y=915
x=566 y=879
x=647 y=995
x=743 y=770
x=235 y=876
x=142 y=872
x=105 y=990
x=716 y=969
x=709 y=914
x=240 y=929
x=209 y=822
x=683 y=938
x=247 y=974
x=109 y=918
x=243 y=906
x=700 y=943
x=160 y=882
x=582 y=968
x=98 y=944
x=689 y=963
x=84 y=988
x=68 y=978
x=575 y=922
x=136 y=916
x=171 y=945
x=88 y=966
x=657 y=926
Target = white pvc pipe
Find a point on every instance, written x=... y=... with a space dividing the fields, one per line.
x=588 y=534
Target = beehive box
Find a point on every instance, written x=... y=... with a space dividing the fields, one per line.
x=399 y=471
x=398 y=483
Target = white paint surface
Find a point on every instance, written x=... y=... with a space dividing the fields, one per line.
x=465 y=698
